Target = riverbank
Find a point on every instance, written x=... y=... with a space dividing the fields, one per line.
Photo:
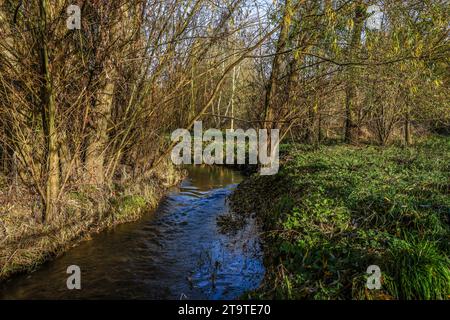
x=175 y=251
x=333 y=211
x=25 y=243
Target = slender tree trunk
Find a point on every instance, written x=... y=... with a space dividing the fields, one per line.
x=311 y=133
x=48 y=111
x=276 y=67
x=233 y=89
x=350 y=90
x=349 y=119
x=320 y=128
x=192 y=108
x=407 y=129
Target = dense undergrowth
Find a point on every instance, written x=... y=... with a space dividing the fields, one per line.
x=332 y=211
x=26 y=243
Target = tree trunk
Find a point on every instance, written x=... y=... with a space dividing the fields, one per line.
x=350 y=90
x=98 y=138
x=349 y=119
x=271 y=92
x=233 y=90
x=408 y=134
x=48 y=112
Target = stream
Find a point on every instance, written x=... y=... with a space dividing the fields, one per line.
x=174 y=252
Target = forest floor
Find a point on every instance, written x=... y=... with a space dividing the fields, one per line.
x=333 y=211
x=26 y=243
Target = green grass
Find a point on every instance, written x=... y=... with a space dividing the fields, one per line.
x=333 y=211
x=129 y=205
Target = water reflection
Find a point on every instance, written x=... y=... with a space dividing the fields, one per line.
x=173 y=252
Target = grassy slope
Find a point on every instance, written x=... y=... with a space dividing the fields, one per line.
x=333 y=211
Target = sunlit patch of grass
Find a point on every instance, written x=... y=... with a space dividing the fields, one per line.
x=418 y=270
x=129 y=205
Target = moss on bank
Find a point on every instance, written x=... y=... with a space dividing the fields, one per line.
x=25 y=243
x=333 y=211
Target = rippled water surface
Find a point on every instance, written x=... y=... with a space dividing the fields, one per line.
x=174 y=252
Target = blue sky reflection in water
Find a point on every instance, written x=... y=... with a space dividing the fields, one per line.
x=176 y=251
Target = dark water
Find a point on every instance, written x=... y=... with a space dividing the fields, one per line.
x=172 y=253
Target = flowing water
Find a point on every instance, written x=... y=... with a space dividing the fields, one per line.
x=174 y=252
